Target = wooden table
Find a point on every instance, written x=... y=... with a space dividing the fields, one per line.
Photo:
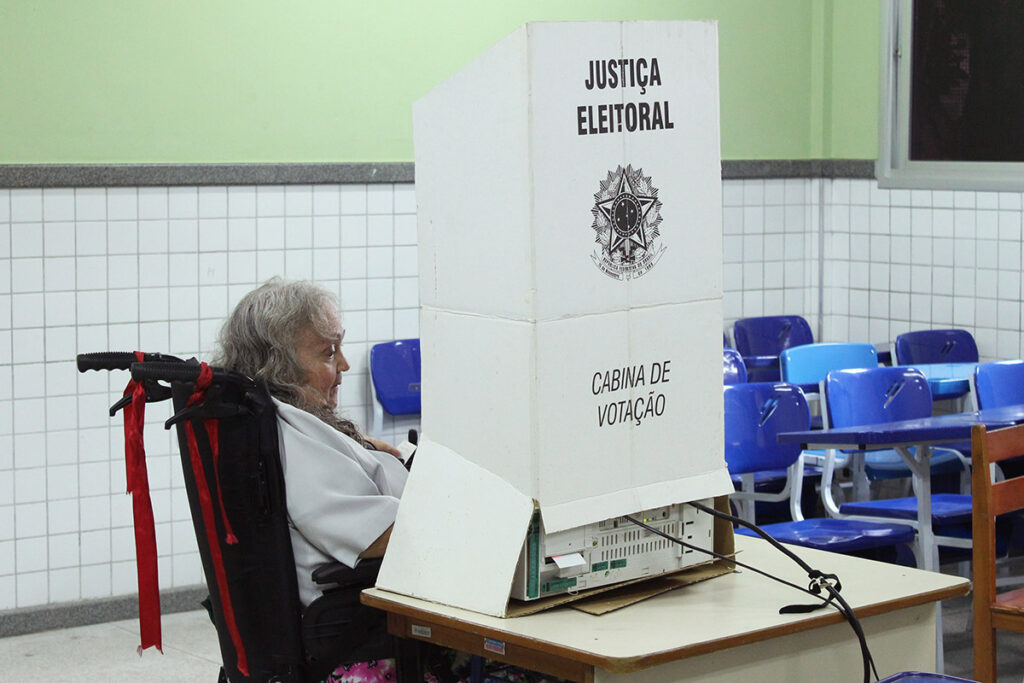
x=724 y=629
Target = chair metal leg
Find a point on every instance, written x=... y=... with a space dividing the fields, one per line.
x=795 y=483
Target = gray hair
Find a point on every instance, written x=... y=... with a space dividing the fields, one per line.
x=259 y=339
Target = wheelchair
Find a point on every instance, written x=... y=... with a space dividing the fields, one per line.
x=227 y=435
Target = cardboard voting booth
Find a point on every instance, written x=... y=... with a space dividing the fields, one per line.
x=568 y=186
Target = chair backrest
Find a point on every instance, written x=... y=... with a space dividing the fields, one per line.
x=811 y=363
x=999 y=384
x=770 y=335
x=733 y=369
x=870 y=396
x=936 y=346
x=395 y=373
x=754 y=415
x=988 y=501
x=253 y=588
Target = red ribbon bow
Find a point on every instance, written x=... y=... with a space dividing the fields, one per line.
x=142 y=511
x=206 y=504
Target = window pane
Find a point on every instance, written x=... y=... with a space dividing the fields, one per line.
x=967 y=85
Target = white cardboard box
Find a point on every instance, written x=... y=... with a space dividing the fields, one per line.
x=570 y=277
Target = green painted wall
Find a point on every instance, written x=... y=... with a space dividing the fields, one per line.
x=853 y=93
x=206 y=81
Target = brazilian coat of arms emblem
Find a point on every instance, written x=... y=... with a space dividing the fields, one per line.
x=627 y=221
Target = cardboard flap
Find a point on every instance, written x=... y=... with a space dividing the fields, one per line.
x=649 y=588
x=458 y=534
x=629 y=501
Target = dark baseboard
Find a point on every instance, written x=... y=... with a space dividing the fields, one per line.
x=67 y=615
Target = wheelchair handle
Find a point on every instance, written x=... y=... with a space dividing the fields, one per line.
x=171 y=372
x=116 y=360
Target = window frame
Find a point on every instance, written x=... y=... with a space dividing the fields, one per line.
x=893 y=168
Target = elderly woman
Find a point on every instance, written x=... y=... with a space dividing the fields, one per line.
x=342 y=487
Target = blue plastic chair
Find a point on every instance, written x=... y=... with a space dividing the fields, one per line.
x=733 y=369
x=765 y=481
x=936 y=346
x=999 y=384
x=394 y=381
x=761 y=340
x=996 y=385
x=860 y=397
x=923 y=677
x=754 y=416
x=808 y=365
x=887 y=394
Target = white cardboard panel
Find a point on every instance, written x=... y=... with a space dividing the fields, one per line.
x=675 y=167
x=510 y=190
x=585 y=446
x=632 y=500
x=458 y=534
x=478 y=375
x=542 y=405
x=472 y=185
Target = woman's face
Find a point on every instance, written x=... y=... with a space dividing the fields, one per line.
x=322 y=360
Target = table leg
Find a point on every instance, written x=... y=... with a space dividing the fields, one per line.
x=919 y=463
x=408 y=656
x=920 y=466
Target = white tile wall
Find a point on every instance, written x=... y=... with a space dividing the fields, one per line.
x=158 y=268
x=898 y=260
x=769 y=248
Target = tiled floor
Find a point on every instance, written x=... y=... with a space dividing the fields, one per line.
x=106 y=652
x=956 y=640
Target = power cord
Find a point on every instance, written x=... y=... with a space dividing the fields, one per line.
x=819 y=581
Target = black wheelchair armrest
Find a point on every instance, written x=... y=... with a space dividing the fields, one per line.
x=335 y=573
x=336 y=628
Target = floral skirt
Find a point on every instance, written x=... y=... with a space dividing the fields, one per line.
x=376 y=671
x=440 y=666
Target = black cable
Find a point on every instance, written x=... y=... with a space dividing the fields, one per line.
x=720 y=556
x=819 y=580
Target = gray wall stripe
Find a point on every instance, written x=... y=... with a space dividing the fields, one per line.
x=158 y=175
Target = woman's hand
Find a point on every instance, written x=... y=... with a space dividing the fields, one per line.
x=383 y=446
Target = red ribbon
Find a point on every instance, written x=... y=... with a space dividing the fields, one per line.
x=142 y=511
x=206 y=505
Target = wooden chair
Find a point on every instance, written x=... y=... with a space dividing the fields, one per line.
x=993 y=610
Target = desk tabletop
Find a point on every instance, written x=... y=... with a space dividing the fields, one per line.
x=936 y=429
x=947 y=380
x=944 y=370
x=727 y=611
